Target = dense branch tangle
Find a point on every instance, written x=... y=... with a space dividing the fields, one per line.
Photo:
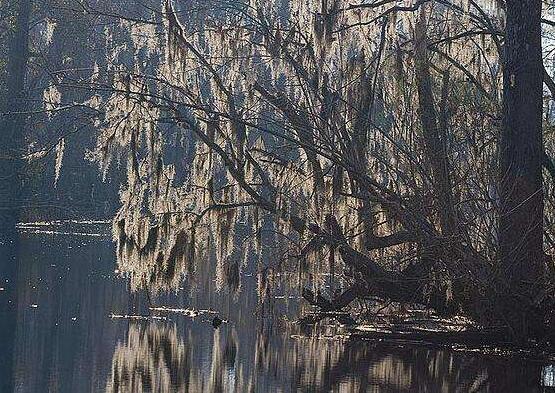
x=304 y=124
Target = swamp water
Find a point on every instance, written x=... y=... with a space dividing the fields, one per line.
x=79 y=329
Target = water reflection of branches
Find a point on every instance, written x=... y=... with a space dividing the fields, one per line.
x=152 y=359
x=157 y=358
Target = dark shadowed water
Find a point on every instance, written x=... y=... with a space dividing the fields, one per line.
x=74 y=334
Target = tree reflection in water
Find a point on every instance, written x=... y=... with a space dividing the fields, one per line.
x=68 y=344
x=159 y=357
x=548 y=376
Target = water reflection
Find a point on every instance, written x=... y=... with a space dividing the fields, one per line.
x=160 y=357
x=64 y=339
x=9 y=248
x=548 y=376
x=68 y=342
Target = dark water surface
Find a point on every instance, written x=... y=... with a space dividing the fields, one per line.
x=71 y=337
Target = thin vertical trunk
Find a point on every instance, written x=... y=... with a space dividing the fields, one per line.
x=362 y=125
x=434 y=144
x=521 y=149
x=12 y=122
x=434 y=132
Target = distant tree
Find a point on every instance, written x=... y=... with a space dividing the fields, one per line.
x=12 y=121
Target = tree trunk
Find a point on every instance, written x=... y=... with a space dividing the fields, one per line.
x=522 y=259
x=434 y=135
x=434 y=144
x=12 y=123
